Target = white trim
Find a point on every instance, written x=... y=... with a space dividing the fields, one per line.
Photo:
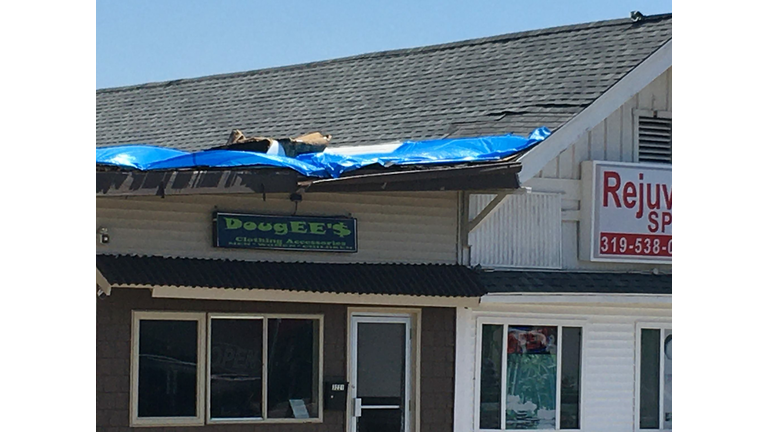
x=199 y=419
x=515 y=298
x=463 y=416
x=638 y=78
x=102 y=283
x=303 y=296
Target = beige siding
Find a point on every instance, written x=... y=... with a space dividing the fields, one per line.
x=608 y=356
x=396 y=228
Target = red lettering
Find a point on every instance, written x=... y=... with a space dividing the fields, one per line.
x=609 y=189
x=666 y=220
x=667 y=196
x=653 y=218
x=630 y=192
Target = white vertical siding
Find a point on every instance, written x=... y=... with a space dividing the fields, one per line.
x=608 y=358
x=392 y=228
x=524 y=231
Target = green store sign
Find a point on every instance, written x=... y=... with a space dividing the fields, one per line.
x=305 y=233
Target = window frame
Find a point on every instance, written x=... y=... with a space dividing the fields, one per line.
x=203 y=368
x=136 y=318
x=639 y=327
x=265 y=371
x=507 y=321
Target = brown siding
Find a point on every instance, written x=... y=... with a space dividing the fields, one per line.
x=113 y=336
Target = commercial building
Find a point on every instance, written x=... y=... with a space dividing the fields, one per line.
x=529 y=291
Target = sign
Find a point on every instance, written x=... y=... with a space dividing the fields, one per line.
x=304 y=233
x=626 y=212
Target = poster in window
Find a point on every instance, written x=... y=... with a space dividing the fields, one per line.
x=531 y=377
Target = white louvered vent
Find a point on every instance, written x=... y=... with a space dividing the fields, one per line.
x=655 y=140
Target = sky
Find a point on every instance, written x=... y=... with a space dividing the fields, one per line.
x=142 y=41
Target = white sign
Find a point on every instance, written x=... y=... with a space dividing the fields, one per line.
x=626 y=212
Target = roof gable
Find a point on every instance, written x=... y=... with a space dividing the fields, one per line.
x=510 y=83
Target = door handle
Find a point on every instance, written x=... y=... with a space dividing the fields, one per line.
x=358 y=406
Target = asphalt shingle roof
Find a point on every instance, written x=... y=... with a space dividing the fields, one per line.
x=509 y=83
x=575 y=282
x=408 y=279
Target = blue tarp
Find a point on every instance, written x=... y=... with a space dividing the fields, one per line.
x=323 y=165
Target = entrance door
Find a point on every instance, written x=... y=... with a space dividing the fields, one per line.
x=380 y=382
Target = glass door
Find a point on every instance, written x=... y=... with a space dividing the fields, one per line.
x=380 y=382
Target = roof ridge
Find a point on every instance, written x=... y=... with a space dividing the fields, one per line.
x=397 y=52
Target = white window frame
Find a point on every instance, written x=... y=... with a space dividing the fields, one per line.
x=203 y=368
x=513 y=321
x=661 y=326
x=636 y=114
x=199 y=419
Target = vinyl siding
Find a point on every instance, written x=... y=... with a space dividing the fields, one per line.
x=528 y=224
x=392 y=228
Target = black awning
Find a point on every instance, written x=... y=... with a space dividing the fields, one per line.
x=534 y=282
x=399 y=279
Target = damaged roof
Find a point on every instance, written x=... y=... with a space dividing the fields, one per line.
x=512 y=83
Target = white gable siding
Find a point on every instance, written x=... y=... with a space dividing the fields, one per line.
x=614 y=140
x=392 y=228
x=524 y=231
x=608 y=357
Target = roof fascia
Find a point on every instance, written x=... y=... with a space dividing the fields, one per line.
x=637 y=79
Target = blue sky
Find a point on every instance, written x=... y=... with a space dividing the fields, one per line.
x=142 y=41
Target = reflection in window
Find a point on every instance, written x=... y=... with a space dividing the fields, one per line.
x=531 y=377
x=293 y=368
x=649 y=378
x=167 y=368
x=236 y=366
x=570 y=383
x=490 y=377
x=529 y=396
x=655 y=379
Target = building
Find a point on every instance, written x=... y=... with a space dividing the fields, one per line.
x=407 y=332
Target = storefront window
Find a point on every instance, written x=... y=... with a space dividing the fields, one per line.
x=236 y=368
x=259 y=368
x=167 y=368
x=655 y=379
x=293 y=368
x=531 y=356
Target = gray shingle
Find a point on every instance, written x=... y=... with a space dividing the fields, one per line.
x=502 y=84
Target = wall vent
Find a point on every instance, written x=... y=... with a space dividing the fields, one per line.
x=655 y=139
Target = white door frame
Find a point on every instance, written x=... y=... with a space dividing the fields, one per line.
x=355 y=407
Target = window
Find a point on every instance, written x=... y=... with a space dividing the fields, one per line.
x=654 y=136
x=255 y=368
x=530 y=377
x=654 y=378
x=167 y=368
